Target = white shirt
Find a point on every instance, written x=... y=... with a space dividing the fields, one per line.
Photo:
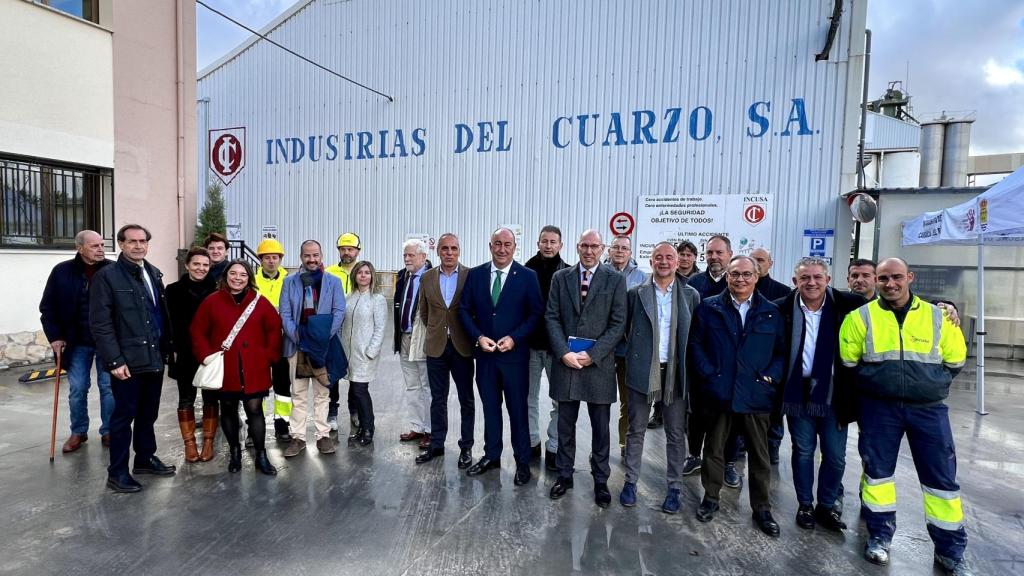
x=812 y=320
x=741 y=307
x=148 y=281
x=504 y=274
x=664 y=320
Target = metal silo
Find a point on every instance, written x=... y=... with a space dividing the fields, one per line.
x=932 y=137
x=955 y=149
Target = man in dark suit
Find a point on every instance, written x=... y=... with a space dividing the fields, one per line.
x=737 y=349
x=818 y=392
x=500 y=307
x=449 y=350
x=587 y=301
x=132 y=332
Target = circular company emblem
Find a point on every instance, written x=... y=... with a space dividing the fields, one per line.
x=226 y=155
x=754 y=213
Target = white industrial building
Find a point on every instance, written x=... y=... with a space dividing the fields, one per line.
x=534 y=113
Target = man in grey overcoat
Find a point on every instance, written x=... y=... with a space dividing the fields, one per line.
x=657 y=327
x=587 y=302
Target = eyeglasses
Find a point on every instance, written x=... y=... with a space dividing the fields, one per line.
x=583 y=246
x=744 y=275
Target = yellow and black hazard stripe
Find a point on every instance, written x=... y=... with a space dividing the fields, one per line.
x=37 y=375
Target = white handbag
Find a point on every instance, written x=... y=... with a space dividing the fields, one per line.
x=210 y=375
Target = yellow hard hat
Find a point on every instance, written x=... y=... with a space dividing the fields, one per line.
x=349 y=239
x=269 y=246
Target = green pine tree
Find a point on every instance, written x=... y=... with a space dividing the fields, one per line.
x=212 y=217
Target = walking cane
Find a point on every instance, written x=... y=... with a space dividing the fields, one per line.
x=53 y=422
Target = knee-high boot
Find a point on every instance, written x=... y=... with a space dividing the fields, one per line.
x=187 y=424
x=209 y=431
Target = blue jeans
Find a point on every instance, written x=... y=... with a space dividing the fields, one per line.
x=805 y=432
x=79 y=366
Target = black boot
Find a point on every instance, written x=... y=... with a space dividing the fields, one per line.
x=263 y=464
x=235 y=458
x=366 y=438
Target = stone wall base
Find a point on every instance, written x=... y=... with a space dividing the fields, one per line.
x=24 y=348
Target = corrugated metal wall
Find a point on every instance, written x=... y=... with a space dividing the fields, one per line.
x=528 y=63
x=887 y=133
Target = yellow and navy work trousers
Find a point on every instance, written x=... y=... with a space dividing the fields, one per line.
x=882 y=426
x=282 y=390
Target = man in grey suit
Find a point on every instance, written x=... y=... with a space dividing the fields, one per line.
x=657 y=328
x=587 y=302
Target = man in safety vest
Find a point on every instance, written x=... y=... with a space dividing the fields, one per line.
x=349 y=246
x=269 y=279
x=905 y=353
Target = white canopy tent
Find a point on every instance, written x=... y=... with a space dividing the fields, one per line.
x=994 y=217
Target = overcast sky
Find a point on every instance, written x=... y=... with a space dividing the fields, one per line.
x=961 y=55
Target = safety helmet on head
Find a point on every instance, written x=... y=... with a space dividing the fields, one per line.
x=349 y=239
x=269 y=246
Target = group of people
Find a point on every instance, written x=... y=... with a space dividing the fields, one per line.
x=718 y=357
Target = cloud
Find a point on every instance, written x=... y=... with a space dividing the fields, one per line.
x=959 y=57
x=999 y=75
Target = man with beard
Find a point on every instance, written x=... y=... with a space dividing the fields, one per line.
x=349 y=246
x=545 y=263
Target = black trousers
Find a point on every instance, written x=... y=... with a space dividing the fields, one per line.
x=360 y=391
x=695 y=430
x=759 y=469
x=440 y=372
x=187 y=392
x=600 y=414
x=332 y=407
x=136 y=400
x=279 y=377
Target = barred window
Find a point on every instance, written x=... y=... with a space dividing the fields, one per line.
x=45 y=204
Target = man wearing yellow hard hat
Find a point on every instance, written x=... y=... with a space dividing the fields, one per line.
x=269 y=279
x=349 y=246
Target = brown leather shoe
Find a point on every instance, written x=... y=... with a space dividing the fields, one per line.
x=425 y=442
x=105 y=439
x=325 y=445
x=187 y=424
x=410 y=436
x=74 y=442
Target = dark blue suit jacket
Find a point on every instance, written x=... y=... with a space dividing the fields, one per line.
x=730 y=362
x=517 y=314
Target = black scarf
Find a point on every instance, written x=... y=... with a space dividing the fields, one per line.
x=812 y=396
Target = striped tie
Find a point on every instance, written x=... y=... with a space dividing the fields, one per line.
x=584 y=286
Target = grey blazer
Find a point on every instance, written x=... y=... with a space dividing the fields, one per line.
x=602 y=317
x=643 y=321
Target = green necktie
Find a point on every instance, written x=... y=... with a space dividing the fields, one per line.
x=496 y=288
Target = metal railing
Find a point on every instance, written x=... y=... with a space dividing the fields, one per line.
x=44 y=205
x=239 y=249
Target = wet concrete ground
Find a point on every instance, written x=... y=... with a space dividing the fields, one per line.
x=369 y=511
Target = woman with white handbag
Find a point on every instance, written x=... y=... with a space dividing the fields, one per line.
x=238 y=333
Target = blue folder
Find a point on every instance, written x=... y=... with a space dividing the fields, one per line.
x=578 y=345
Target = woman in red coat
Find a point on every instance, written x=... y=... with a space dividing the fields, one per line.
x=247 y=362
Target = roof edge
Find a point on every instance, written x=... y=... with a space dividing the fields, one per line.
x=252 y=39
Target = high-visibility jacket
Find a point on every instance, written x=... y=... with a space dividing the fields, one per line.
x=343 y=275
x=271 y=288
x=913 y=362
